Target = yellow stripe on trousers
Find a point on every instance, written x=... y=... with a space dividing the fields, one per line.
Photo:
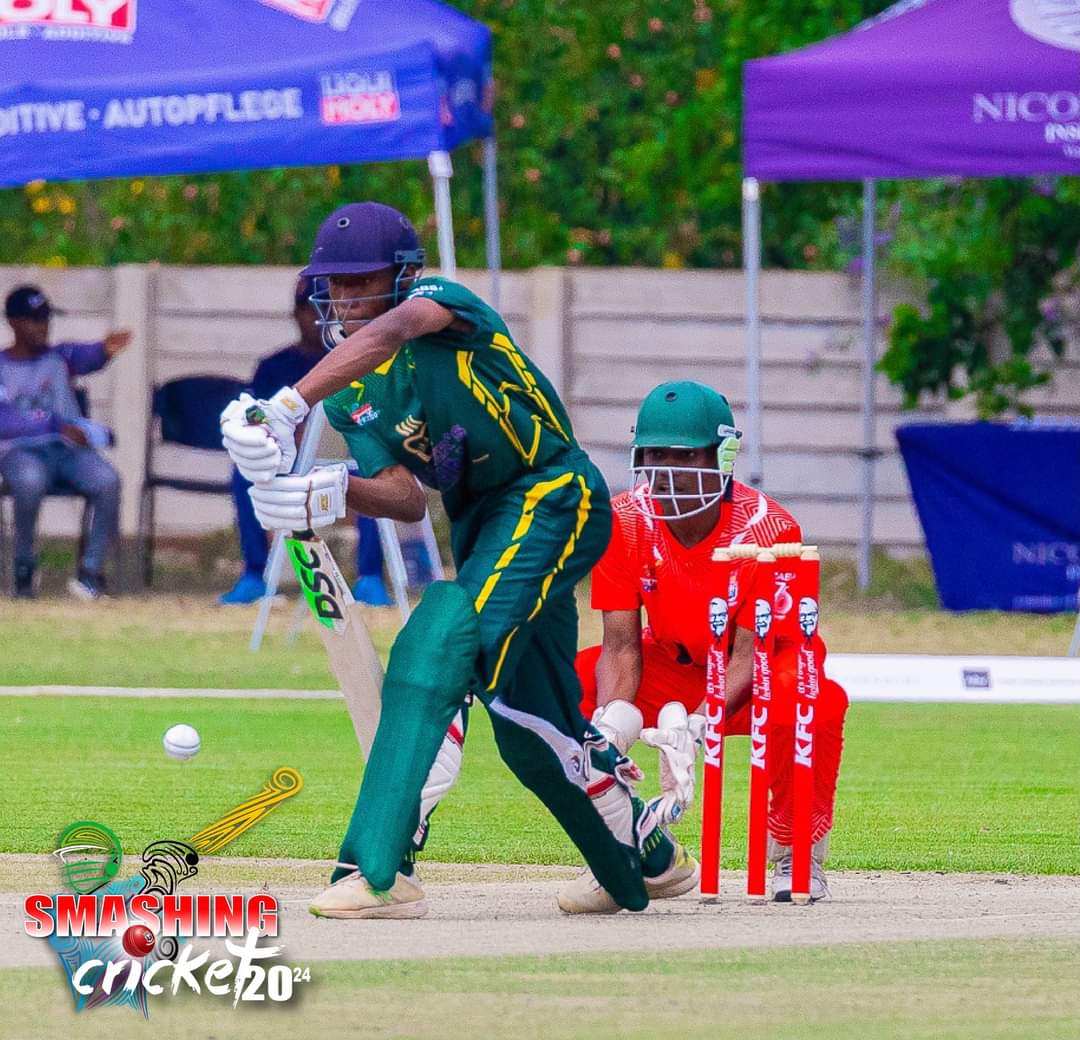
x=571 y=543
x=584 y=505
x=533 y=498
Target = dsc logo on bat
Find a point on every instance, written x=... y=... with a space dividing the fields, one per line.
x=118 y=15
x=319 y=580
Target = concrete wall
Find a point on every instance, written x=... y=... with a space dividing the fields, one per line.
x=604 y=336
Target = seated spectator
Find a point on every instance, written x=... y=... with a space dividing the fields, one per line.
x=47 y=444
x=285 y=368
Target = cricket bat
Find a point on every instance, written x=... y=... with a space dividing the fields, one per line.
x=353 y=659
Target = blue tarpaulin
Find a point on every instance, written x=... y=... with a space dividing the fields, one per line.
x=105 y=88
x=1000 y=507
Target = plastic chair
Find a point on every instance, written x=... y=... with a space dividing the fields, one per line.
x=185 y=412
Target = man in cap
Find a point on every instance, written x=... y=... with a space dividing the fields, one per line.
x=426 y=382
x=46 y=443
x=283 y=368
x=683 y=504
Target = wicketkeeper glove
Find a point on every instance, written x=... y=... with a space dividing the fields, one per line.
x=677 y=737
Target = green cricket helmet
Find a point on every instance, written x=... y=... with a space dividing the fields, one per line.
x=683 y=414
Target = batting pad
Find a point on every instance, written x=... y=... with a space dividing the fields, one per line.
x=427 y=680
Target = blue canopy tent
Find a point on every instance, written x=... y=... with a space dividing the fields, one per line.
x=109 y=88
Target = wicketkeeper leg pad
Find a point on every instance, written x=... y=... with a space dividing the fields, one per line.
x=427 y=680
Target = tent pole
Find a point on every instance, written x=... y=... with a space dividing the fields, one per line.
x=442 y=169
x=491 y=218
x=869 y=323
x=751 y=194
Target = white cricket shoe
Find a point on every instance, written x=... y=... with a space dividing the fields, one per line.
x=585 y=895
x=781 y=879
x=353 y=898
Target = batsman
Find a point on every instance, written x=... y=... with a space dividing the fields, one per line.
x=684 y=503
x=425 y=382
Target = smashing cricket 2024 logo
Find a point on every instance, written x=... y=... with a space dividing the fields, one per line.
x=123 y=940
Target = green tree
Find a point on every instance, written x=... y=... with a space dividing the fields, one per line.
x=993 y=258
x=619 y=143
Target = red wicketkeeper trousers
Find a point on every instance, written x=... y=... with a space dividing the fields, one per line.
x=663 y=680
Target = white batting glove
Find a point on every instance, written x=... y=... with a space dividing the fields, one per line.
x=620 y=721
x=677 y=737
x=260 y=436
x=295 y=503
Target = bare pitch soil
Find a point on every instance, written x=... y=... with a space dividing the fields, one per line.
x=500 y=911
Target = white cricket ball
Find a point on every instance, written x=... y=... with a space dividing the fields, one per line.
x=181 y=741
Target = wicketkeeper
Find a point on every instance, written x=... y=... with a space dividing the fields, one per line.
x=425 y=381
x=684 y=504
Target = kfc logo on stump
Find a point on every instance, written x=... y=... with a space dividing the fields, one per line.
x=349 y=98
x=105 y=15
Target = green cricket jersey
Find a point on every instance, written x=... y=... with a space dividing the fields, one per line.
x=466 y=412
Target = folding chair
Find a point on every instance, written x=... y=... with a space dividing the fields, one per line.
x=184 y=412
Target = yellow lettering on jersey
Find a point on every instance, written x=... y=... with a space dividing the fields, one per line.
x=497 y=404
x=498 y=410
x=528 y=387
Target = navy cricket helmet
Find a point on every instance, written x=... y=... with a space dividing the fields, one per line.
x=360 y=238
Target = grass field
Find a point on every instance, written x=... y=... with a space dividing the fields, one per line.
x=185 y=641
x=989 y=788
x=995 y=990
x=922 y=787
x=965 y=788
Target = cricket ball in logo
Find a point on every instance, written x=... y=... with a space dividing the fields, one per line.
x=808 y=616
x=1056 y=22
x=718 y=616
x=762 y=618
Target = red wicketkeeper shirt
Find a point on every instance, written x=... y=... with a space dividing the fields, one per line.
x=645 y=565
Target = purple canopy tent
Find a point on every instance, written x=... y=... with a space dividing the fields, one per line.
x=929 y=88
